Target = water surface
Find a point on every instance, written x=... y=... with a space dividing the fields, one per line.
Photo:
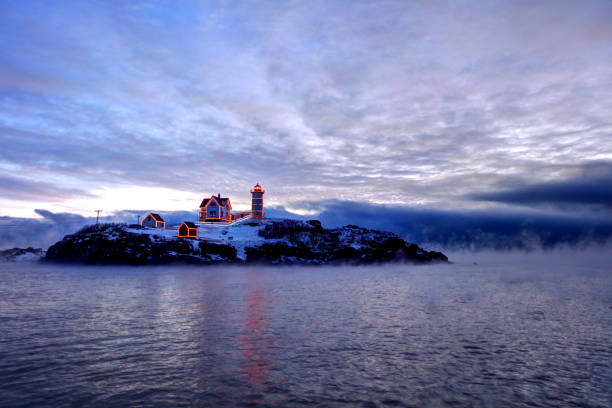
x=509 y=331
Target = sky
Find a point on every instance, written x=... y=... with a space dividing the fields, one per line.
x=346 y=110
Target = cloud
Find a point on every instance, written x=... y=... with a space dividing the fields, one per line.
x=39 y=232
x=385 y=102
x=593 y=189
x=473 y=229
x=591 y=192
x=172 y=218
x=19 y=188
x=61 y=218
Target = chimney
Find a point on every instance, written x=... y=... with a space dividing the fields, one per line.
x=219 y=195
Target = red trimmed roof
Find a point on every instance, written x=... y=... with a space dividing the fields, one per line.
x=220 y=200
x=156 y=217
x=189 y=224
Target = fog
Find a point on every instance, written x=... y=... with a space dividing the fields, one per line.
x=600 y=258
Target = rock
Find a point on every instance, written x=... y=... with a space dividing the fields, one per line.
x=280 y=242
x=113 y=244
x=21 y=254
x=308 y=242
x=316 y=224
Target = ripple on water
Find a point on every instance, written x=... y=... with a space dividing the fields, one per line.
x=446 y=335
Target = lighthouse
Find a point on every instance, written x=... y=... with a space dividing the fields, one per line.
x=257 y=210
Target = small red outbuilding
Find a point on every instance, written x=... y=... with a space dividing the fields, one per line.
x=187 y=230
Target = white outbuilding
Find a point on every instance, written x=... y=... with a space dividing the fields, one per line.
x=153 y=220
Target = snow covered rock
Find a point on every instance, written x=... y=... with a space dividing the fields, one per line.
x=21 y=254
x=308 y=242
x=115 y=244
x=269 y=241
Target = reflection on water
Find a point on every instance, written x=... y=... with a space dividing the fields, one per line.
x=256 y=342
x=496 y=334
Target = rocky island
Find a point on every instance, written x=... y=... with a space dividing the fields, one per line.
x=21 y=254
x=266 y=241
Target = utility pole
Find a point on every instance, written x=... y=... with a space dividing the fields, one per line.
x=98 y=215
x=138 y=222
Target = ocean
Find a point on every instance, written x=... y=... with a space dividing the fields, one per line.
x=489 y=330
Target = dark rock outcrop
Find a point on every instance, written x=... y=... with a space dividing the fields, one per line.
x=309 y=242
x=279 y=242
x=21 y=254
x=113 y=244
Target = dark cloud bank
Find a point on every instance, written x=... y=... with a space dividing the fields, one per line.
x=574 y=213
x=591 y=190
x=474 y=230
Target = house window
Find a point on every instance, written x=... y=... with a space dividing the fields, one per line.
x=213 y=214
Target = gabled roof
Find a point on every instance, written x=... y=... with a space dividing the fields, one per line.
x=220 y=200
x=156 y=217
x=189 y=224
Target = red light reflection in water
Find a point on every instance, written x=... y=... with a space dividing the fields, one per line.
x=256 y=341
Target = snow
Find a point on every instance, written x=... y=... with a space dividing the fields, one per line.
x=168 y=233
x=28 y=257
x=19 y=255
x=194 y=245
x=237 y=234
x=244 y=233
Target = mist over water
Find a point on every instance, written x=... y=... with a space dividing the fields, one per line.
x=491 y=329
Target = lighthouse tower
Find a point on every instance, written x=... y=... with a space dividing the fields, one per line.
x=257 y=210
